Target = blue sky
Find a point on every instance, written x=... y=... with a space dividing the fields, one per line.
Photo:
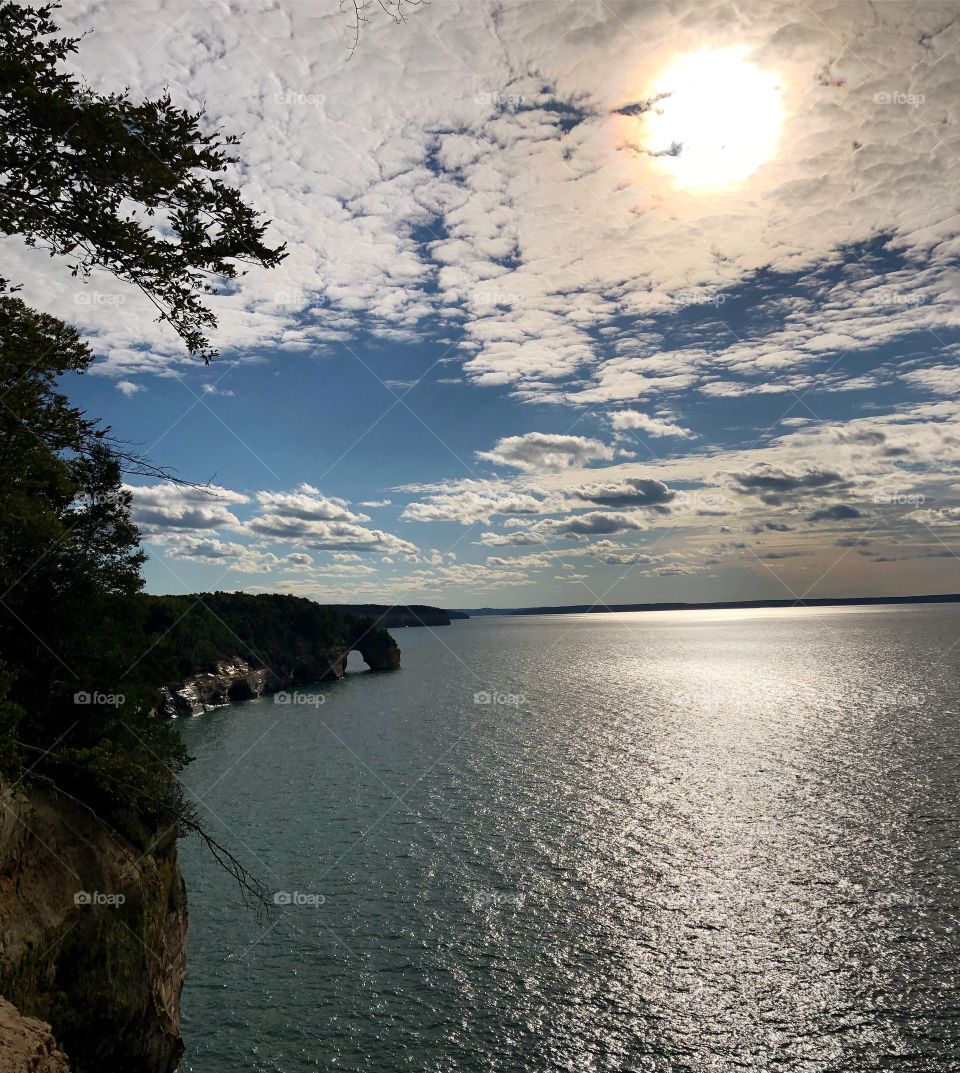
x=516 y=356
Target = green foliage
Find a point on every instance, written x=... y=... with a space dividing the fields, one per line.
x=84 y=651
x=130 y=187
x=136 y=189
x=68 y=549
x=288 y=634
x=10 y=716
x=69 y=569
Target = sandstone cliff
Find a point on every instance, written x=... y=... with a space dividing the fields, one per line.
x=237 y=679
x=92 y=930
x=92 y=940
x=27 y=1045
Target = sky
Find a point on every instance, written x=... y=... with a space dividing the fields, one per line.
x=586 y=301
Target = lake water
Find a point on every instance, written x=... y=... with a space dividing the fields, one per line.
x=704 y=841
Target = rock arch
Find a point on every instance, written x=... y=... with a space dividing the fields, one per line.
x=377 y=649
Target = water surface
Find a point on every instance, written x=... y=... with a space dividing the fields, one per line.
x=704 y=841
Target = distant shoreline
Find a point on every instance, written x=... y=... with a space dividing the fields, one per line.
x=728 y=605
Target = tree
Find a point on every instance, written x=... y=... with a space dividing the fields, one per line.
x=357 y=9
x=135 y=189
x=70 y=562
x=130 y=187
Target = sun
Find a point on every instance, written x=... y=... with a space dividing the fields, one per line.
x=714 y=119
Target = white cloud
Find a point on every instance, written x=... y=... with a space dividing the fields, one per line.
x=310 y=519
x=526 y=199
x=629 y=492
x=238 y=557
x=652 y=426
x=539 y=452
x=162 y=509
x=592 y=523
x=775 y=485
x=569 y=265
x=928 y=516
x=940 y=379
x=321 y=534
x=307 y=504
x=474 y=501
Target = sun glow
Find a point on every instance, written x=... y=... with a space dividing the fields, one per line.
x=713 y=119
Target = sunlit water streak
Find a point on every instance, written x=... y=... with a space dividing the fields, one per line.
x=700 y=841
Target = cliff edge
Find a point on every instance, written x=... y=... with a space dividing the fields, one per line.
x=92 y=941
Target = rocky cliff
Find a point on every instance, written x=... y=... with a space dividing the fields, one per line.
x=92 y=942
x=27 y=1045
x=212 y=648
x=92 y=928
x=237 y=679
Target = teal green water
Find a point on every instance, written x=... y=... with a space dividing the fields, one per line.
x=707 y=841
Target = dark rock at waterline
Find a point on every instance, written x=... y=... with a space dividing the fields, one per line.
x=237 y=679
x=209 y=649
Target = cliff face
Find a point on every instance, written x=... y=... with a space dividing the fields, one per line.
x=92 y=930
x=27 y=1045
x=237 y=679
x=92 y=939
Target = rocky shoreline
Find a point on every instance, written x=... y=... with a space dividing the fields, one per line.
x=93 y=929
x=237 y=679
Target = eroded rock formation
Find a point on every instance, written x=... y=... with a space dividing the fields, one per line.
x=92 y=937
x=237 y=679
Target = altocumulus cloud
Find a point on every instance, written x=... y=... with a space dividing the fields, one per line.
x=304 y=518
x=775 y=485
x=307 y=503
x=541 y=452
x=623 y=420
x=474 y=501
x=593 y=523
x=837 y=513
x=552 y=278
x=630 y=492
x=241 y=558
x=446 y=152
